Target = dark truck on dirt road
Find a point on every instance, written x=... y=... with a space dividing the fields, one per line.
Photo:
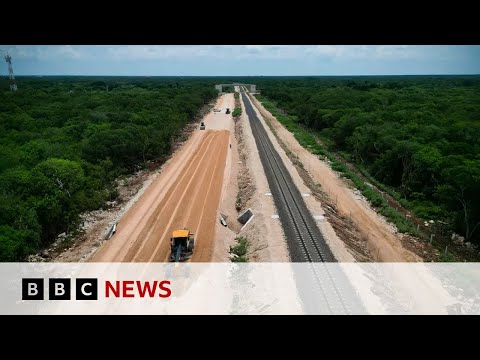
x=181 y=245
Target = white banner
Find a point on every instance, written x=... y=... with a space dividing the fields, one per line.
x=240 y=288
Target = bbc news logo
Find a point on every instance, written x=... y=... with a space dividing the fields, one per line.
x=60 y=289
x=87 y=289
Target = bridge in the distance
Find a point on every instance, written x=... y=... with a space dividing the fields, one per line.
x=251 y=87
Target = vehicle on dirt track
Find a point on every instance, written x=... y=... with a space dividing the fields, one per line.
x=181 y=245
x=228 y=111
x=202 y=126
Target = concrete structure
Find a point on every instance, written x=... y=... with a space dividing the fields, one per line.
x=245 y=216
x=251 y=87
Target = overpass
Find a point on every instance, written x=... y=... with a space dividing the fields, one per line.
x=251 y=87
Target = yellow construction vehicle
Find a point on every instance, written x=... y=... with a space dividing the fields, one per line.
x=181 y=245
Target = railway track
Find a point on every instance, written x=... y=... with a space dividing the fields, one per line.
x=333 y=292
x=297 y=221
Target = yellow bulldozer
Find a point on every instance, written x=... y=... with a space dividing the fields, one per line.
x=181 y=245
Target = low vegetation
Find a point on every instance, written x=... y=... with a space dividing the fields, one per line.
x=239 y=250
x=237 y=112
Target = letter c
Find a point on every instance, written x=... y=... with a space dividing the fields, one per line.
x=83 y=289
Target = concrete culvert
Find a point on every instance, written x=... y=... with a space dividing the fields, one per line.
x=112 y=231
x=222 y=221
x=245 y=216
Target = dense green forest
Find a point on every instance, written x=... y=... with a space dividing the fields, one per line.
x=63 y=140
x=419 y=135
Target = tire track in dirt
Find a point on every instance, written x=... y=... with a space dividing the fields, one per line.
x=165 y=213
x=189 y=198
x=206 y=224
x=191 y=201
x=136 y=218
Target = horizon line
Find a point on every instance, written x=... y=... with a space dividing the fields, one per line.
x=453 y=74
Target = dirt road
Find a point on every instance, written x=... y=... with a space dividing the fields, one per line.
x=263 y=232
x=185 y=194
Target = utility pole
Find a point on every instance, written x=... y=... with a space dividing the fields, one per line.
x=13 y=84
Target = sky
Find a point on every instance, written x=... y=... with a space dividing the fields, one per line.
x=241 y=60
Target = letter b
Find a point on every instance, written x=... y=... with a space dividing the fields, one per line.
x=59 y=289
x=32 y=289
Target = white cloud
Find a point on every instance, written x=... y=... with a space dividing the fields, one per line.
x=137 y=52
x=346 y=52
x=326 y=50
x=385 y=51
x=255 y=47
x=70 y=52
x=46 y=52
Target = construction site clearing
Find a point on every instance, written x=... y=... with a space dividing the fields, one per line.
x=215 y=187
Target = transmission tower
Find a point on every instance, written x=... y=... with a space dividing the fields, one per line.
x=13 y=84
